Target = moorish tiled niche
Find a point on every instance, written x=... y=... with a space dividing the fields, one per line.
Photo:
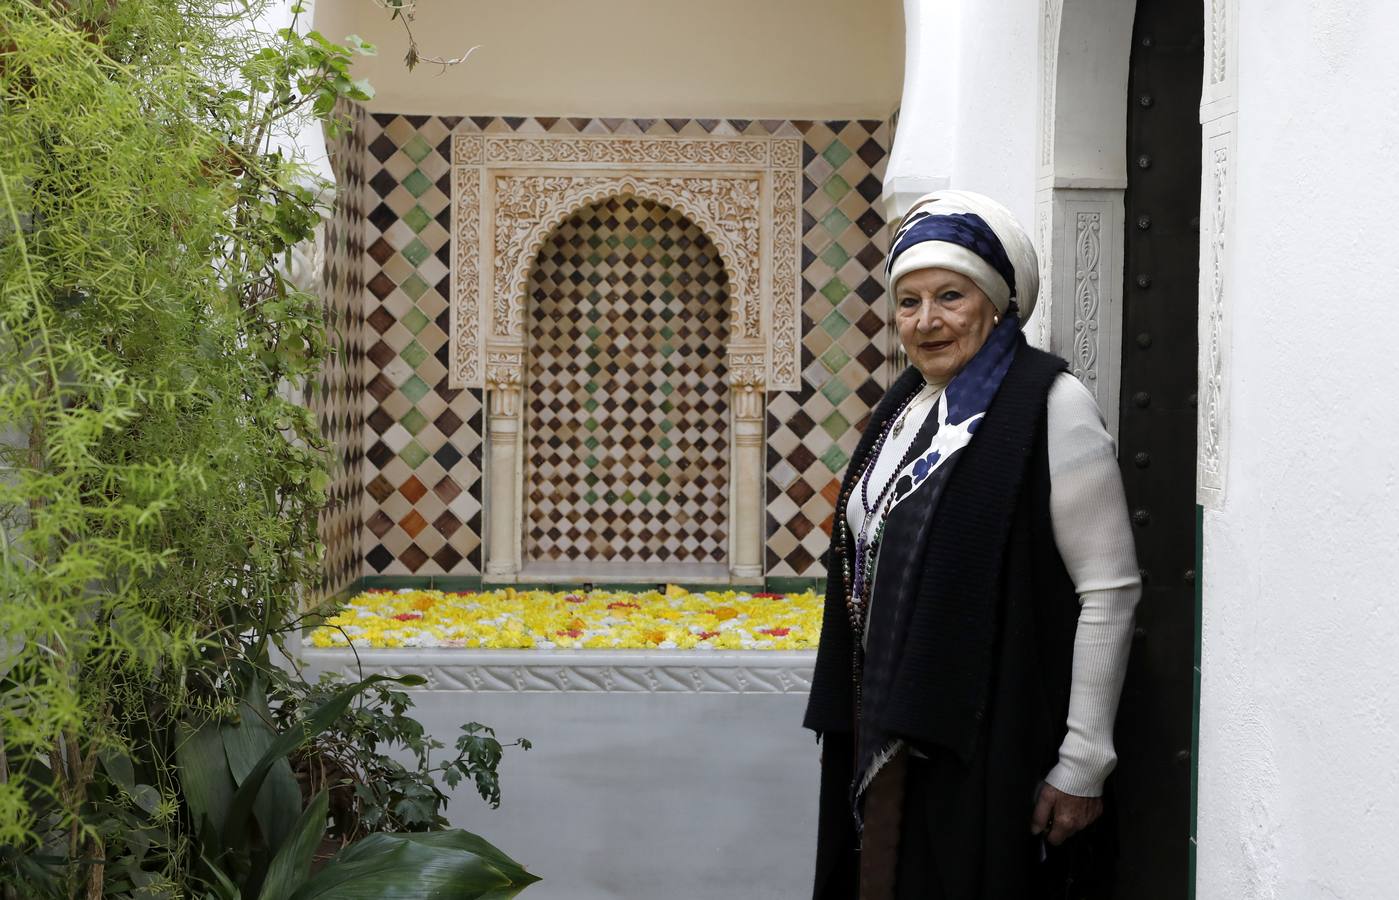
x=423 y=439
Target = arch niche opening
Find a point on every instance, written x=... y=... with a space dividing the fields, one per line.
x=626 y=414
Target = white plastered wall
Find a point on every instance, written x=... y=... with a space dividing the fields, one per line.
x=792 y=59
x=1299 y=745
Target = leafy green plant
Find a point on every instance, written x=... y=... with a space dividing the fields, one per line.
x=159 y=480
x=370 y=789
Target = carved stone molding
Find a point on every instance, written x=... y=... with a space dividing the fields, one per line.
x=1088 y=275
x=1212 y=401
x=747 y=376
x=627 y=150
x=529 y=207
x=1084 y=271
x=465 y=343
x=755 y=672
x=504 y=376
x=510 y=191
x=1219 y=128
x=1051 y=12
x=783 y=335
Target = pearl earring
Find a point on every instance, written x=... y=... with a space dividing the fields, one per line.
x=996 y=319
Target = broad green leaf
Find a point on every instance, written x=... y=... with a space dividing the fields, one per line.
x=279 y=802
x=466 y=842
x=394 y=867
x=289 y=869
x=204 y=775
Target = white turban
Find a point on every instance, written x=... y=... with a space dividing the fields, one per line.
x=975 y=236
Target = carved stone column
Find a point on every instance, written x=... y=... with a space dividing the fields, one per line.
x=503 y=438
x=746 y=376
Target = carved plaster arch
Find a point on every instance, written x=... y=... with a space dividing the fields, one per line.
x=525 y=229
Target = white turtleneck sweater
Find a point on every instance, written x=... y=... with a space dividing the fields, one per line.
x=1094 y=538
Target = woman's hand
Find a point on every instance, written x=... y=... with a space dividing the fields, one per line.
x=1063 y=815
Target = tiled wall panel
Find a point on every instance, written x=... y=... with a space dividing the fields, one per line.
x=422 y=512
x=336 y=399
x=626 y=405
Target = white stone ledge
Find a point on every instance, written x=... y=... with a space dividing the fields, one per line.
x=590 y=671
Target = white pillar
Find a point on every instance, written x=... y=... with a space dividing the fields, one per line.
x=746 y=494
x=923 y=152
x=503 y=432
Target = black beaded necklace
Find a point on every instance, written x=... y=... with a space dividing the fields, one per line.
x=858 y=584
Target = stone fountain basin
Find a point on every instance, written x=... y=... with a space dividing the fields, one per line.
x=655 y=775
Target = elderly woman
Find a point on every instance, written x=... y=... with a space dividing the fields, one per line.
x=982 y=587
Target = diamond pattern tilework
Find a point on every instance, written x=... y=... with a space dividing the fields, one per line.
x=336 y=399
x=626 y=403
x=422 y=468
x=845 y=335
x=846 y=340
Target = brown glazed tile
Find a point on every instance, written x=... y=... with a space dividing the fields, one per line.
x=413 y=489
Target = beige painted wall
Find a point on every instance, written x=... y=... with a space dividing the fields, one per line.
x=637 y=58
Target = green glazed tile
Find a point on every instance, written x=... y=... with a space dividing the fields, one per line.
x=835 y=290
x=667 y=388
x=414 y=421
x=663 y=497
x=590 y=496
x=413 y=286
x=591 y=480
x=416 y=219
x=593 y=332
x=835 y=255
x=413 y=454
x=644 y=496
x=416 y=148
x=834 y=359
x=666 y=332
x=590 y=404
x=591 y=442
x=837 y=153
x=417 y=183
x=414 y=388
x=836 y=187
x=414 y=354
x=664 y=443
x=628 y=497
x=415 y=252
x=836 y=222
x=835 y=391
x=590 y=461
x=836 y=425
x=835 y=324
x=414 y=320
x=835 y=458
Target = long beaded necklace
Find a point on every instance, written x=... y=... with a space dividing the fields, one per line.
x=858 y=583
